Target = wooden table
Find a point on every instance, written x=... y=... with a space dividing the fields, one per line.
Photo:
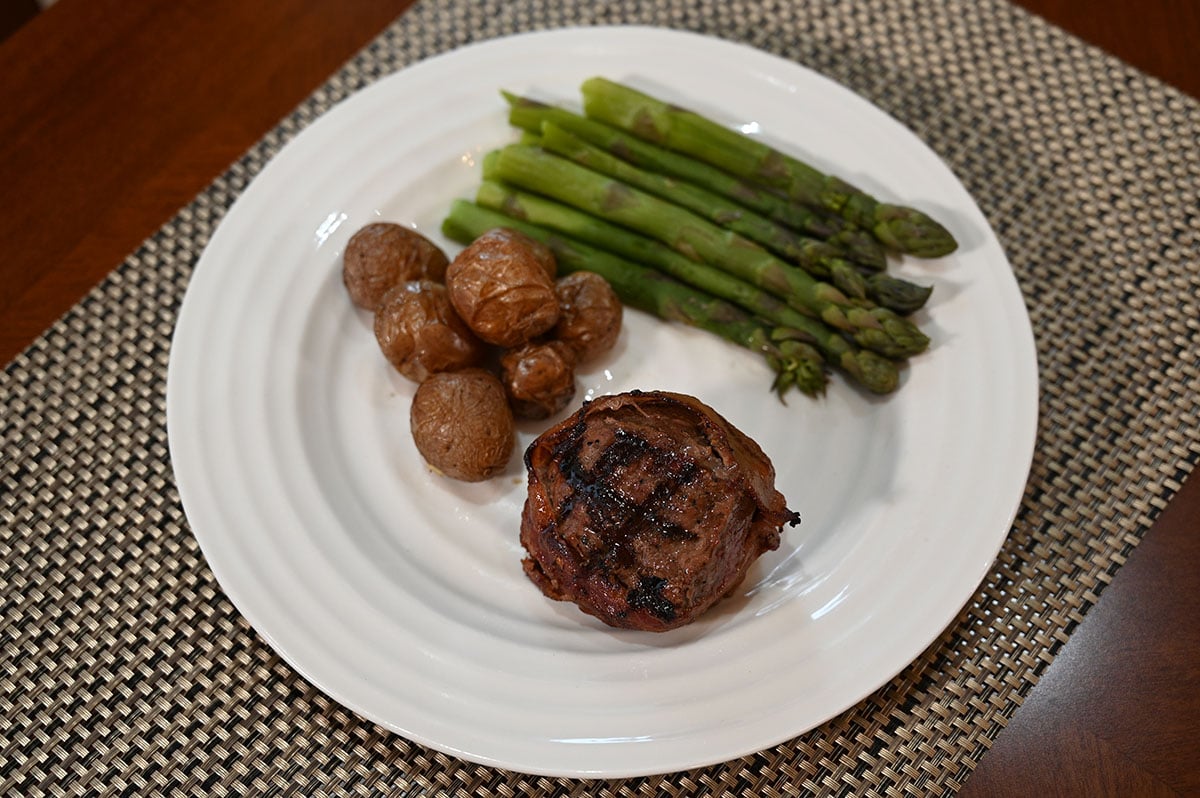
x=116 y=114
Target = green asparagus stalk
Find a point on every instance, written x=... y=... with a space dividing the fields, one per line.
x=896 y=294
x=789 y=355
x=533 y=169
x=877 y=374
x=904 y=229
x=819 y=259
x=858 y=245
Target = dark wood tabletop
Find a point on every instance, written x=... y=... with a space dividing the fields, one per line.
x=116 y=114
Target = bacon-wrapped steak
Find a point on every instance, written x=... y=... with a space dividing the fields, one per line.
x=646 y=508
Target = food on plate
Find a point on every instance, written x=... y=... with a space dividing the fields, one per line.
x=542 y=172
x=504 y=285
x=858 y=245
x=824 y=259
x=794 y=362
x=539 y=377
x=544 y=217
x=645 y=509
x=382 y=255
x=590 y=314
x=501 y=287
x=899 y=228
x=420 y=334
x=817 y=257
x=739 y=223
x=462 y=425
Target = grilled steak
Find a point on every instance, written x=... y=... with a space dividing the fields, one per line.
x=645 y=509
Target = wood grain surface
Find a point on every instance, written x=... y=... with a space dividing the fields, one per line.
x=116 y=114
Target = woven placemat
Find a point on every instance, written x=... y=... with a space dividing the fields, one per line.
x=123 y=668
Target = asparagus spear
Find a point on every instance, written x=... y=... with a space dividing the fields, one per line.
x=858 y=245
x=820 y=259
x=877 y=374
x=903 y=229
x=899 y=295
x=533 y=169
x=794 y=361
x=817 y=258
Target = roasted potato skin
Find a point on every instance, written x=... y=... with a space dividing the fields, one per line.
x=590 y=314
x=541 y=252
x=500 y=286
x=539 y=378
x=382 y=255
x=420 y=334
x=462 y=424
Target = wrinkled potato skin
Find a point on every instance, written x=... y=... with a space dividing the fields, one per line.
x=590 y=314
x=500 y=287
x=383 y=255
x=539 y=378
x=543 y=253
x=462 y=424
x=420 y=334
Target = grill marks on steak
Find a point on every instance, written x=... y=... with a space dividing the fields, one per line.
x=628 y=512
x=616 y=518
x=646 y=508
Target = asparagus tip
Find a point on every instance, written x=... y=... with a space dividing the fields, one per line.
x=875 y=373
x=912 y=232
x=799 y=365
x=895 y=294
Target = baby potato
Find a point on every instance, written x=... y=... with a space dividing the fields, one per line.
x=590 y=314
x=539 y=378
x=383 y=255
x=462 y=424
x=543 y=253
x=420 y=334
x=501 y=287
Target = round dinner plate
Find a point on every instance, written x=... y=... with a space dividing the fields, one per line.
x=400 y=593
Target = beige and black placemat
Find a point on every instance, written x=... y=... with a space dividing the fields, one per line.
x=123 y=669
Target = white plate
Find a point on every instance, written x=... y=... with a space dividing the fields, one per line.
x=401 y=594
